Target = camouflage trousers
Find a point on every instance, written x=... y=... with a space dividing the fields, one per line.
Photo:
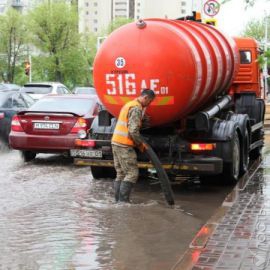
x=125 y=163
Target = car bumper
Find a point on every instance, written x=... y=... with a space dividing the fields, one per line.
x=22 y=141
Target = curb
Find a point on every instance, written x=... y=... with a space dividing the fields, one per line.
x=192 y=254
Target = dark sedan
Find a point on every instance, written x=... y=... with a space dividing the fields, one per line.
x=52 y=124
x=11 y=102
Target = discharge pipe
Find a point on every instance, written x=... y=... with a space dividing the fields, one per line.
x=162 y=175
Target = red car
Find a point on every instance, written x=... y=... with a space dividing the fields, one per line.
x=52 y=124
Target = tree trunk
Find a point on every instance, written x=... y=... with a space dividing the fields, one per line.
x=58 y=74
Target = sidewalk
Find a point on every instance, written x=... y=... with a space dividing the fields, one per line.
x=238 y=235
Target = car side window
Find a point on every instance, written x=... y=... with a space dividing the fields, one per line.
x=65 y=90
x=59 y=90
x=8 y=103
x=18 y=102
x=62 y=90
x=28 y=100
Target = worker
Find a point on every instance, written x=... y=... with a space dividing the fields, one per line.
x=125 y=138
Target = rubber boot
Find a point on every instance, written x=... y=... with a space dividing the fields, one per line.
x=125 y=190
x=116 y=186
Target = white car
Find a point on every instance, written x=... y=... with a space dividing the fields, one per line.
x=39 y=89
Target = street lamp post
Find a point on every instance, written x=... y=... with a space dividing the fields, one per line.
x=30 y=70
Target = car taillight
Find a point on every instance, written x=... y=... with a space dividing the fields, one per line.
x=202 y=146
x=85 y=143
x=80 y=125
x=2 y=115
x=15 y=124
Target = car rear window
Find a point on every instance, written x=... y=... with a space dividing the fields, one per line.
x=74 y=105
x=37 y=89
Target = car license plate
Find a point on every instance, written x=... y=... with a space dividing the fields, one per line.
x=46 y=125
x=86 y=153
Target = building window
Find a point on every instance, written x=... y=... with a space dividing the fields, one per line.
x=183 y=4
x=96 y=12
x=120 y=9
x=183 y=11
x=95 y=29
x=95 y=4
x=121 y=3
x=87 y=4
x=95 y=21
x=138 y=17
x=87 y=13
x=138 y=11
x=138 y=4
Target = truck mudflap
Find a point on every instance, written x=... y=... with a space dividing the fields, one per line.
x=198 y=165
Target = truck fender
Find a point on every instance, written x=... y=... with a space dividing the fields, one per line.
x=244 y=123
x=223 y=131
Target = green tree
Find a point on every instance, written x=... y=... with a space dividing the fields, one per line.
x=255 y=29
x=55 y=34
x=116 y=23
x=13 y=36
x=89 y=49
x=249 y=3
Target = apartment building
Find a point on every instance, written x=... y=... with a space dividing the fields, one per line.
x=23 y=5
x=19 y=5
x=95 y=15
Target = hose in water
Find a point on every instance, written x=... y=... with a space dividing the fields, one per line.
x=162 y=175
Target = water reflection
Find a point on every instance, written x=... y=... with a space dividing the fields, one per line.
x=54 y=216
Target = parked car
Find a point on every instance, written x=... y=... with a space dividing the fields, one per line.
x=39 y=89
x=84 y=90
x=9 y=86
x=52 y=124
x=11 y=102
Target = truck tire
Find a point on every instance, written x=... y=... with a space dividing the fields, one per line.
x=244 y=160
x=256 y=153
x=28 y=155
x=231 y=170
x=103 y=172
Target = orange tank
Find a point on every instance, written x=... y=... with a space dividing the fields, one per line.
x=186 y=63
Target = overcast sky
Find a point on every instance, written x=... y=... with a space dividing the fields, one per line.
x=233 y=16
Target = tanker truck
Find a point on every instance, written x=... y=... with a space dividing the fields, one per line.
x=207 y=117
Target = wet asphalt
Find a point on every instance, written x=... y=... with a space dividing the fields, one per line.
x=53 y=215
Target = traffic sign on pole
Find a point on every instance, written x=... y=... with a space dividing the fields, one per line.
x=211 y=8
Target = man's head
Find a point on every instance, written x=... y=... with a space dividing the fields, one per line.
x=146 y=97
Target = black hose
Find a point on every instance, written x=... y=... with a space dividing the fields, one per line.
x=162 y=175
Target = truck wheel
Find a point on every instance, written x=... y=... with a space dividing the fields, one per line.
x=255 y=153
x=231 y=170
x=103 y=172
x=28 y=155
x=244 y=161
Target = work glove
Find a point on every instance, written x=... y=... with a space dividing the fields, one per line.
x=142 y=147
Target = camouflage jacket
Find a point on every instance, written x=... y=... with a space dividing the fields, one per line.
x=134 y=124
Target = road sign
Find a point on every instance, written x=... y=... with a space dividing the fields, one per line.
x=211 y=8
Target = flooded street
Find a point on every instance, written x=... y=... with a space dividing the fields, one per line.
x=55 y=216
